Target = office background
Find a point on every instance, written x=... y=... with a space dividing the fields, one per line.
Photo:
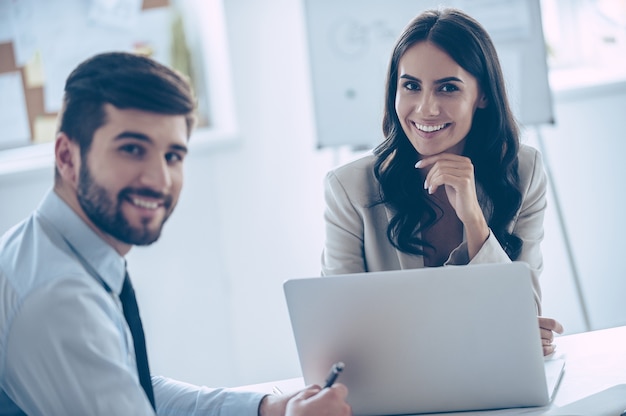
x=251 y=211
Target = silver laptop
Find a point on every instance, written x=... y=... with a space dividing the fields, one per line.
x=429 y=340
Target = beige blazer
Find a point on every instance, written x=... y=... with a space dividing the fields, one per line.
x=356 y=232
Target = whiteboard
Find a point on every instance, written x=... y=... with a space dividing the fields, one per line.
x=350 y=43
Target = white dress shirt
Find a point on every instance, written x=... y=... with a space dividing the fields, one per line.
x=65 y=347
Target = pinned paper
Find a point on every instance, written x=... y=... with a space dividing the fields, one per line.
x=6 y=23
x=25 y=26
x=44 y=129
x=33 y=72
x=115 y=13
x=14 y=116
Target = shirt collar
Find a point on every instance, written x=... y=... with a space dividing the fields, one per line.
x=95 y=253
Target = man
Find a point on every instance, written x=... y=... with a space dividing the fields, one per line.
x=71 y=341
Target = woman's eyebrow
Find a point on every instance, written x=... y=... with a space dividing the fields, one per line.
x=448 y=79
x=438 y=81
x=410 y=77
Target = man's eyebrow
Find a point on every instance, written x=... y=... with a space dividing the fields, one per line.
x=180 y=148
x=133 y=135
x=145 y=138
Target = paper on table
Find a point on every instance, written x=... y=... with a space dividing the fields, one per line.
x=609 y=402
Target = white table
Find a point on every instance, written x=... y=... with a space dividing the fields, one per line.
x=595 y=361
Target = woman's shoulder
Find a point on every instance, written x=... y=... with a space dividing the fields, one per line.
x=356 y=177
x=528 y=153
x=531 y=170
x=530 y=159
x=356 y=167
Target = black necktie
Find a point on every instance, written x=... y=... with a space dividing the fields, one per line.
x=131 y=313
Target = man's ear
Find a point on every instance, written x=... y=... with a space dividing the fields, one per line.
x=67 y=158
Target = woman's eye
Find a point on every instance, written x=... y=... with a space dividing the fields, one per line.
x=411 y=86
x=449 y=88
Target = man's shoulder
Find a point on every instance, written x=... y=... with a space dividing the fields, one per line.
x=39 y=279
x=16 y=244
x=30 y=257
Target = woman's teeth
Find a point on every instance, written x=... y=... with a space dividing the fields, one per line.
x=429 y=129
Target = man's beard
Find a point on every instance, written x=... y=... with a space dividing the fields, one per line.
x=106 y=213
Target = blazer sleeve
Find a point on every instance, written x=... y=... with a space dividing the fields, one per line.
x=527 y=224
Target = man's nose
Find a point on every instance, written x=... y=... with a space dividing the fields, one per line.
x=156 y=174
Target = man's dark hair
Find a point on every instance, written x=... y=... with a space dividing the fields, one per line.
x=126 y=81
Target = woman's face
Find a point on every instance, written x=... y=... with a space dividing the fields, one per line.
x=435 y=100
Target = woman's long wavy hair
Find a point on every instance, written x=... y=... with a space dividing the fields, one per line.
x=492 y=142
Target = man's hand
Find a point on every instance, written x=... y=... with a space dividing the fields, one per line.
x=275 y=405
x=547 y=328
x=311 y=401
x=314 y=401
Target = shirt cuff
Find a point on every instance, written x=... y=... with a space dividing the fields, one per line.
x=238 y=403
x=490 y=252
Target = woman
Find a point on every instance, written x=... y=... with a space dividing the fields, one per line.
x=450 y=184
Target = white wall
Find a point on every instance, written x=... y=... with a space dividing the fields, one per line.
x=251 y=215
x=585 y=149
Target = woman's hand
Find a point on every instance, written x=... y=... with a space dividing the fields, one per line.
x=456 y=174
x=547 y=328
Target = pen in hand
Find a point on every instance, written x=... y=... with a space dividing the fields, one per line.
x=330 y=380
x=334 y=373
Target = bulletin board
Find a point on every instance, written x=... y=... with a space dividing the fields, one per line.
x=350 y=43
x=41 y=42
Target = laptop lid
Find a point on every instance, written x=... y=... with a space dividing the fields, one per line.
x=425 y=340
